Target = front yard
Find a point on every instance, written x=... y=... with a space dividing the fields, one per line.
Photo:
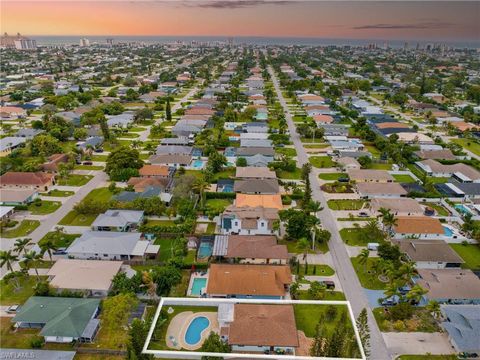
x=16 y=291
x=23 y=229
x=44 y=207
x=367 y=274
x=355 y=204
x=321 y=161
x=421 y=321
x=74 y=180
x=469 y=253
x=75 y=219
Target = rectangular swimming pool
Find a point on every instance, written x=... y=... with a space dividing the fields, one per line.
x=198 y=285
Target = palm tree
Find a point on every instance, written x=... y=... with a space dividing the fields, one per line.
x=407 y=270
x=363 y=258
x=199 y=186
x=7 y=259
x=314 y=207
x=434 y=307
x=303 y=245
x=30 y=260
x=416 y=293
x=48 y=247
x=389 y=221
x=392 y=290
x=21 y=245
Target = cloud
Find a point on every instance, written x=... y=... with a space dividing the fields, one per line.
x=233 y=4
x=417 y=26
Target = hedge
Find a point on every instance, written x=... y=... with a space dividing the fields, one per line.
x=220 y=195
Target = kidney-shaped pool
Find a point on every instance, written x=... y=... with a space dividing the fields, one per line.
x=195 y=329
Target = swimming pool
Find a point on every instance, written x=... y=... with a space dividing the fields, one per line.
x=195 y=329
x=198 y=164
x=447 y=231
x=198 y=285
x=205 y=250
x=463 y=209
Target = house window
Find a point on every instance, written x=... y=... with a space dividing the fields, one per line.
x=105 y=255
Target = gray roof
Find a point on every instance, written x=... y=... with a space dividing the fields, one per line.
x=463 y=326
x=249 y=151
x=121 y=119
x=255 y=143
x=174 y=150
x=92 y=141
x=260 y=186
x=28 y=133
x=118 y=218
x=105 y=242
x=258 y=160
x=36 y=354
x=11 y=142
x=182 y=140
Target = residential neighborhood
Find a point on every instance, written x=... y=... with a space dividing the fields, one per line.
x=181 y=199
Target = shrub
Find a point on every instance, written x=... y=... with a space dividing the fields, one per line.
x=36 y=342
x=399 y=325
x=401 y=311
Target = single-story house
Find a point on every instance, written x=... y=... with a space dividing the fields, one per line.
x=15 y=197
x=120 y=120
x=422 y=227
x=256 y=143
x=91 y=277
x=248 y=281
x=398 y=207
x=348 y=163
x=450 y=286
x=262 y=328
x=10 y=143
x=253 y=151
x=256 y=186
x=444 y=154
x=175 y=161
x=141 y=184
x=462 y=323
x=107 y=245
x=254 y=172
x=461 y=172
x=118 y=220
x=54 y=161
x=28 y=133
x=250 y=249
x=366 y=175
x=156 y=171
x=430 y=254
x=174 y=150
x=27 y=180
x=61 y=319
x=369 y=190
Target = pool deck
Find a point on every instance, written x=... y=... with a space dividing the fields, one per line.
x=196 y=275
x=178 y=326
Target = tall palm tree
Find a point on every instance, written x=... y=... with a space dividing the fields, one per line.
x=363 y=258
x=416 y=293
x=392 y=290
x=434 y=307
x=21 y=245
x=314 y=207
x=389 y=221
x=407 y=270
x=303 y=245
x=30 y=260
x=7 y=259
x=48 y=247
x=199 y=186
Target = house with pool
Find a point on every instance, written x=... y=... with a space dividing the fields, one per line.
x=251 y=328
x=419 y=227
x=248 y=220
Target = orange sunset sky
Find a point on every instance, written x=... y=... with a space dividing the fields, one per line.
x=439 y=20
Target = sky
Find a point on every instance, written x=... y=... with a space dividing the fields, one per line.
x=395 y=20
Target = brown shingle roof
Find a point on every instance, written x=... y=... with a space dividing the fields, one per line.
x=369 y=175
x=392 y=125
x=429 y=250
x=25 y=178
x=418 y=225
x=154 y=170
x=263 y=325
x=260 y=280
x=370 y=188
x=255 y=172
x=450 y=283
x=254 y=200
x=255 y=246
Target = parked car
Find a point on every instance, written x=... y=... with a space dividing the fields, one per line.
x=12 y=309
x=99 y=150
x=60 y=251
x=329 y=284
x=343 y=179
x=87 y=163
x=363 y=214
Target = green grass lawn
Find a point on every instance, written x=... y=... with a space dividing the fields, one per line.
x=166 y=248
x=380 y=166
x=137 y=129
x=19 y=339
x=286 y=151
x=439 y=209
x=128 y=135
x=314 y=269
x=99 y=157
x=345 y=204
x=469 y=253
x=11 y=294
x=58 y=193
x=75 y=180
x=403 y=178
x=151 y=223
x=468 y=144
x=321 y=161
x=44 y=207
x=421 y=321
x=22 y=229
x=60 y=240
x=309 y=140
x=332 y=176
x=226 y=173
x=75 y=219
x=373 y=150
x=367 y=276
x=438 y=180
x=356 y=237
x=316 y=146
x=217 y=206
x=102 y=194
x=329 y=295
x=88 y=167
x=180 y=290
x=295 y=175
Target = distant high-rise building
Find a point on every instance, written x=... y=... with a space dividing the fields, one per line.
x=230 y=41
x=405 y=46
x=110 y=41
x=18 y=42
x=84 y=42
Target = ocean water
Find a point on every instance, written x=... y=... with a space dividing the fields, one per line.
x=102 y=39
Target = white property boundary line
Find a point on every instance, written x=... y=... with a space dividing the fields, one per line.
x=215 y=301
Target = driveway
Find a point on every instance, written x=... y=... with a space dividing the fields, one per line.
x=415 y=343
x=341 y=261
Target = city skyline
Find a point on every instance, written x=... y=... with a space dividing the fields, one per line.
x=427 y=21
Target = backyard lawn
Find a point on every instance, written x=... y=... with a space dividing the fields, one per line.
x=439 y=209
x=367 y=275
x=75 y=219
x=421 y=321
x=286 y=151
x=216 y=206
x=321 y=161
x=22 y=229
x=345 y=204
x=12 y=293
x=58 y=193
x=295 y=175
x=358 y=237
x=167 y=246
x=61 y=240
x=403 y=178
x=468 y=144
x=74 y=180
x=44 y=207
x=314 y=269
x=470 y=254
x=332 y=176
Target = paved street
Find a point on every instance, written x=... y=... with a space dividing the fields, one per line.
x=404 y=343
x=343 y=266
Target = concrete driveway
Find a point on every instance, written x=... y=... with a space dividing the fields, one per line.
x=415 y=343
